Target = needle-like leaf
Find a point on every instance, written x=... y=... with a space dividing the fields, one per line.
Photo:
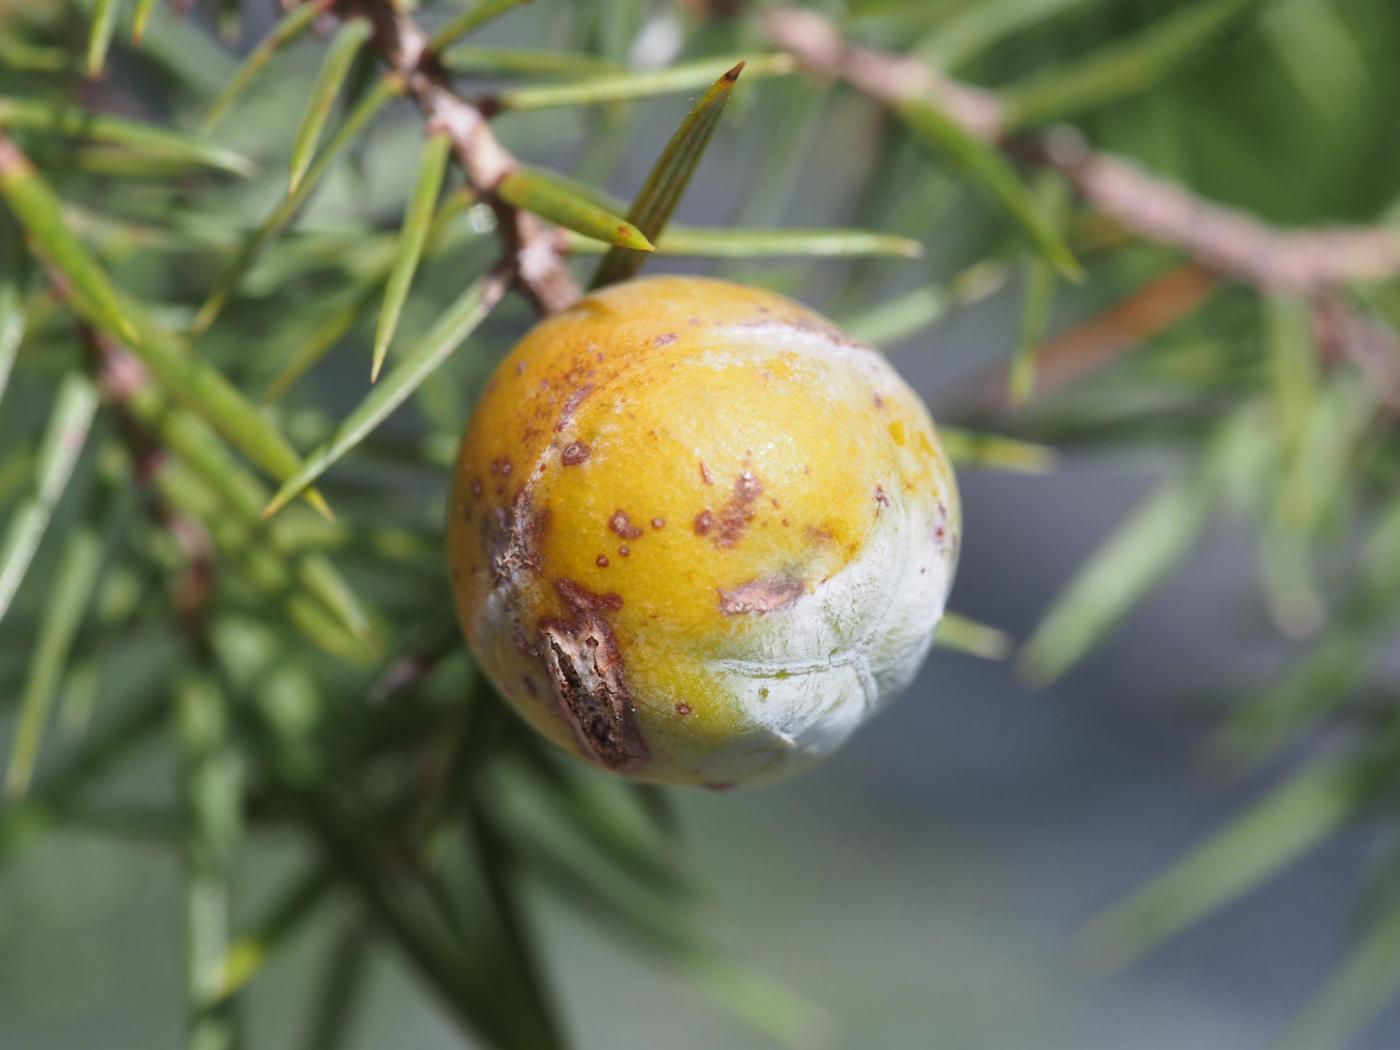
x=1052 y=196
x=970 y=448
x=12 y=310
x=470 y=21
x=991 y=174
x=212 y=781
x=1281 y=827
x=458 y=322
x=749 y=244
x=63 y=442
x=140 y=19
x=292 y=25
x=104 y=24
x=38 y=211
x=387 y=87
x=662 y=191
x=505 y=62
x=965 y=635
x=349 y=39
x=67 y=603
x=891 y=323
x=243 y=497
x=1369 y=978
x=158 y=144
x=1123 y=68
x=558 y=201
x=1141 y=551
x=288 y=913
x=412 y=237
x=615 y=87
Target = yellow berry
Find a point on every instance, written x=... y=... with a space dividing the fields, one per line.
x=696 y=534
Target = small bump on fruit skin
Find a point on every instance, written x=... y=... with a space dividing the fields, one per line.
x=814 y=531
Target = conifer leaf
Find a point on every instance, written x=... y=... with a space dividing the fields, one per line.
x=211 y=774
x=316 y=335
x=1292 y=819
x=386 y=88
x=100 y=30
x=1140 y=552
x=659 y=195
x=243 y=497
x=991 y=174
x=616 y=87
x=412 y=237
x=1122 y=68
x=456 y=323
x=339 y=991
x=509 y=62
x=1052 y=196
x=12 y=308
x=62 y=444
x=965 y=635
x=891 y=323
x=349 y=39
x=1368 y=978
x=559 y=202
x=292 y=25
x=975 y=449
x=469 y=21
x=975 y=27
x=151 y=142
x=1336 y=663
x=38 y=211
x=287 y=914
x=73 y=586
x=733 y=243
x=140 y=18
x=25 y=57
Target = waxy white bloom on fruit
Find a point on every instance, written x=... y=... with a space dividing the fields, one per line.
x=697 y=535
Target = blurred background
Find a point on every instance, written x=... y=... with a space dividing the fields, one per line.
x=931 y=885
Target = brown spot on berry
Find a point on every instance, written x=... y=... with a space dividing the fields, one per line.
x=879 y=401
x=664 y=340
x=880 y=496
x=624 y=550
x=581 y=656
x=501 y=466
x=682 y=709
x=705 y=475
x=602 y=561
x=476 y=487
x=571 y=404
x=580 y=599
x=621 y=524
x=737 y=512
x=575 y=452
x=658 y=523
x=512 y=538
x=704 y=521
x=761 y=596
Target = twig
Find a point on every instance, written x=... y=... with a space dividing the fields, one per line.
x=540 y=269
x=1221 y=239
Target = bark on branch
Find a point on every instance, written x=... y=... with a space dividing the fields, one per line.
x=1221 y=239
x=539 y=267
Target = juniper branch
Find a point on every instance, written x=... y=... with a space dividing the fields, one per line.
x=1224 y=240
x=538 y=265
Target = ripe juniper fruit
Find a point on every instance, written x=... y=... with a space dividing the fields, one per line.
x=697 y=535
